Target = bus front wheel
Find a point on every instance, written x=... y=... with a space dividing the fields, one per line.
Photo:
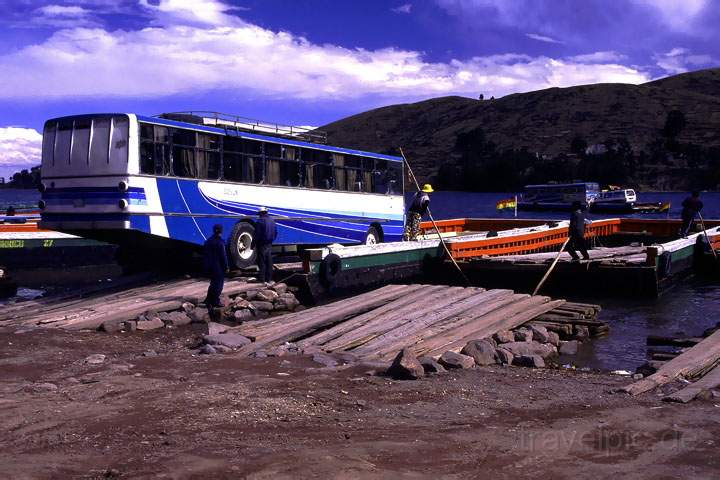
x=242 y=255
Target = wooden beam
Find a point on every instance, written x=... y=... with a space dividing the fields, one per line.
x=689 y=364
x=709 y=381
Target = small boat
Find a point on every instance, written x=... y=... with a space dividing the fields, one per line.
x=619 y=200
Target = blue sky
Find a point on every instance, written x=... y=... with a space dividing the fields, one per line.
x=309 y=62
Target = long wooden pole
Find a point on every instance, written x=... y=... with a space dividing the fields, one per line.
x=702 y=223
x=547 y=274
x=437 y=230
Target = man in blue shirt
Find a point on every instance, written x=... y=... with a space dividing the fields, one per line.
x=216 y=264
x=265 y=235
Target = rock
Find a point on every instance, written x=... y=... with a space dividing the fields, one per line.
x=44 y=387
x=111 y=326
x=222 y=349
x=569 y=347
x=504 y=336
x=188 y=307
x=482 y=352
x=129 y=326
x=286 y=301
x=150 y=353
x=163 y=316
x=406 y=366
x=191 y=299
x=199 y=315
x=452 y=360
x=240 y=302
x=324 y=359
x=266 y=295
x=152 y=324
x=539 y=333
x=231 y=340
x=553 y=339
x=177 y=319
x=243 y=315
x=523 y=335
x=505 y=356
x=263 y=306
x=544 y=350
x=259 y=354
x=490 y=340
x=581 y=332
x=532 y=361
x=430 y=365
x=280 y=288
x=207 y=350
x=211 y=328
x=26 y=329
x=648 y=368
x=95 y=359
x=638 y=376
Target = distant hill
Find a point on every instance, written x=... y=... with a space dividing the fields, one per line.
x=662 y=135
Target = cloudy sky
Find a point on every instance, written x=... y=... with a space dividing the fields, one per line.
x=309 y=62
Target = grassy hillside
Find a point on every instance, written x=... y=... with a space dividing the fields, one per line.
x=661 y=135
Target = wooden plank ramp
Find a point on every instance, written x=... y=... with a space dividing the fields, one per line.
x=90 y=311
x=428 y=319
x=693 y=363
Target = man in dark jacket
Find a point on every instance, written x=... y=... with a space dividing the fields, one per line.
x=419 y=207
x=577 y=232
x=691 y=207
x=216 y=264
x=265 y=235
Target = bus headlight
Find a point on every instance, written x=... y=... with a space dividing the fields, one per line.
x=42 y=187
x=41 y=204
x=123 y=186
x=123 y=204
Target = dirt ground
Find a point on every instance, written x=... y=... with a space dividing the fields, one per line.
x=175 y=415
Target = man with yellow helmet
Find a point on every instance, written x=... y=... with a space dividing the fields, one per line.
x=418 y=208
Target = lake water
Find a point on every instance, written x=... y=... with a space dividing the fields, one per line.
x=686 y=310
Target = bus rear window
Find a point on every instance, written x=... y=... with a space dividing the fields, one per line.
x=48 y=143
x=63 y=138
x=99 y=142
x=81 y=141
x=119 y=141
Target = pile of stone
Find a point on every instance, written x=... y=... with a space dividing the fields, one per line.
x=275 y=299
x=528 y=346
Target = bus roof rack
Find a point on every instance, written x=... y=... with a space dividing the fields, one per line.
x=235 y=122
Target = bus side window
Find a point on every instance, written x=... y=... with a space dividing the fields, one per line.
x=368 y=165
x=208 y=156
x=183 y=154
x=253 y=161
x=290 y=167
x=273 y=154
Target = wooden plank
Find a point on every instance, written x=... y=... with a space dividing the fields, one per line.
x=507 y=323
x=689 y=364
x=409 y=334
x=709 y=381
x=395 y=306
x=480 y=323
x=288 y=322
x=316 y=322
x=378 y=326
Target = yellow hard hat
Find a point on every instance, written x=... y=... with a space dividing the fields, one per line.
x=427 y=188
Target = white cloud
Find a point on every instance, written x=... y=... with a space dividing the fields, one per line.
x=63 y=11
x=201 y=48
x=19 y=147
x=676 y=14
x=542 y=38
x=681 y=60
x=405 y=8
x=599 y=57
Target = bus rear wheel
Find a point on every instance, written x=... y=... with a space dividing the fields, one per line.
x=242 y=255
x=373 y=236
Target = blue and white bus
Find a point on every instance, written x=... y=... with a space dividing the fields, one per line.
x=125 y=178
x=557 y=196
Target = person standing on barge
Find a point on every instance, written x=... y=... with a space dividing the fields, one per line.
x=418 y=208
